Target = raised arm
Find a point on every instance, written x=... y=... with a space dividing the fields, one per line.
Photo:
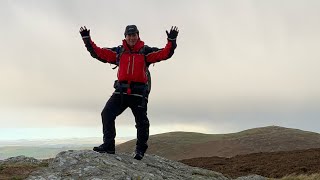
x=165 y=53
x=104 y=55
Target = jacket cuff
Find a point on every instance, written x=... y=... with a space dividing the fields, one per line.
x=169 y=39
x=86 y=39
x=173 y=41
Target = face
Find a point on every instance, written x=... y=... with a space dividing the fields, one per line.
x=132 y=39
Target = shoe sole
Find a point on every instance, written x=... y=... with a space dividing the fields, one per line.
x=137 y=157
x=109 y=152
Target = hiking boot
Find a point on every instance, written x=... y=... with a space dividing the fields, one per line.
x=138 y=155
x=103 y=148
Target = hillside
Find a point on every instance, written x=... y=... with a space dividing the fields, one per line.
x=186 y=145
x=267 y=164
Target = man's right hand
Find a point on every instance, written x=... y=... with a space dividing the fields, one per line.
x=84 y=32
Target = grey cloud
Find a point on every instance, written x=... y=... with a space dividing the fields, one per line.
x=237 y=64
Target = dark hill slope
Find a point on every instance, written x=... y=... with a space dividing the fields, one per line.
x=186 y=145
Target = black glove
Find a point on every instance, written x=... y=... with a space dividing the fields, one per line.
x=173 y=33
x=84 y=32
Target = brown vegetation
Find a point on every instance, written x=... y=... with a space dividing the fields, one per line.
x=19 y=170
x=268 y=164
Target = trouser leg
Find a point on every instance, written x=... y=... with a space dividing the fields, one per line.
x=142 y=123
x=112 y=109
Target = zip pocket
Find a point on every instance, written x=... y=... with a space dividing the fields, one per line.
x=128 y=68
x=132 y=65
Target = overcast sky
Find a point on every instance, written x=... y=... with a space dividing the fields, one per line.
x=238 y=65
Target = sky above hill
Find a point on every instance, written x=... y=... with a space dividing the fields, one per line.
x=238 y=65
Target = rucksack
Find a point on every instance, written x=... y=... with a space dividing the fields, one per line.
x=120 y=49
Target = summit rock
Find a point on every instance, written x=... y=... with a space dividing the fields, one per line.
x=86 y=164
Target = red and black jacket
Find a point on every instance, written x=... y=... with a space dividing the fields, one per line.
x=132 y=64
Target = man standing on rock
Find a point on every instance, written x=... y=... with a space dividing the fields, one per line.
x=133 y=84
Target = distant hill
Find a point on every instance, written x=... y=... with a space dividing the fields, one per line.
x=38 y=152
x=185 y=145
x=47 y=148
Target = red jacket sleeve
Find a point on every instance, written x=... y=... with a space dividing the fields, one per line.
x=105 y=55
x=162 y=54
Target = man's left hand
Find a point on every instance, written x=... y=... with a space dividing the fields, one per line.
x=172 y=35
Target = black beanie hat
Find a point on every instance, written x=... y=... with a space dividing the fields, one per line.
x=131 y=29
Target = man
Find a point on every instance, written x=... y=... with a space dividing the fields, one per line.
x=131 y=88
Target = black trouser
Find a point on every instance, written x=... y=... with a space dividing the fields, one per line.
x=114 y=107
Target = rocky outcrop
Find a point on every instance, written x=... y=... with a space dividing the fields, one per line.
x=20 y=167
x=85 y=164
x=21 y=160
x=90 y=165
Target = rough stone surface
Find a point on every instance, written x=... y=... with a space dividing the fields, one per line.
x=89 y=165
x=252 y=177
x=20 y=159
x=85 y=164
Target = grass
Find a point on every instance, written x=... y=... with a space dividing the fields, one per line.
x=174 y=145
x=300 y=177
x=17 y=171
x=183 y=139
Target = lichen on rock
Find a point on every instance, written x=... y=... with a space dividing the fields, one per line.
x=86 y=164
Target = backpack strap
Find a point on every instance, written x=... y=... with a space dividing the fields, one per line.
x=119 y=52
x=147 y=88
x=144 y=52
